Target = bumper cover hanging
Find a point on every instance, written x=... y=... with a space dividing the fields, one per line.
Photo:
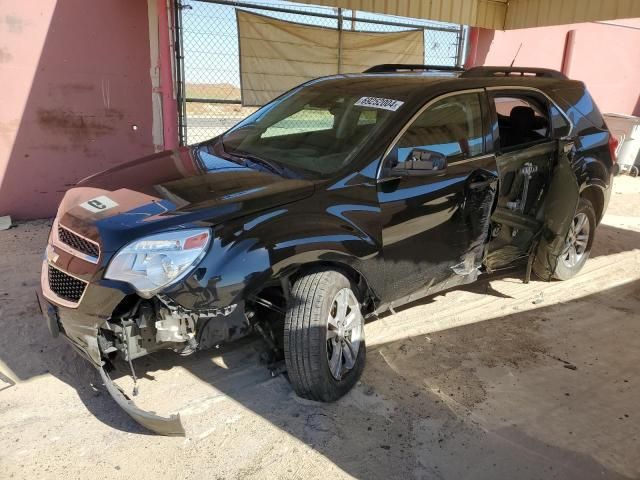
x=169 y=426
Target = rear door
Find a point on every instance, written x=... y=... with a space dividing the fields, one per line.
x=560 y=206
x=525 y=155
x=435 y=223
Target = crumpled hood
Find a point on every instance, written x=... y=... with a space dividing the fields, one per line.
x=170 y=190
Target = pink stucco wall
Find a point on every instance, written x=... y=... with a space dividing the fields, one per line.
x=76 y=96
x=604 y=56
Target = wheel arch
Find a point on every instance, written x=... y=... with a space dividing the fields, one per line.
x=595 y=194
x=594 y=177
x=295 y=271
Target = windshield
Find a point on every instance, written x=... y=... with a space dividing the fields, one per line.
x=314 y=130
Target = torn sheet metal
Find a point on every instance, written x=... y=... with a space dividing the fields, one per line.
x=559 y=208
x=171 y=426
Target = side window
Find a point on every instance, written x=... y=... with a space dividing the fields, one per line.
x=521 y=121
x=451 y=126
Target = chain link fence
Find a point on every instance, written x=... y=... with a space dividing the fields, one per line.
x=209 y=63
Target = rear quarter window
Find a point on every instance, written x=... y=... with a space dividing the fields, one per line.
x=579 y=107
x=559 y=124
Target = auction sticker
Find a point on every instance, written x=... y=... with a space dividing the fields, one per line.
x=383 y=103
x=99 y=204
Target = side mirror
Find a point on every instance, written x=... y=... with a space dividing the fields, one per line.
x=426 y=161
x=420 y=162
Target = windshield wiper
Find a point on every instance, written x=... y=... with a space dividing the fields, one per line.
x=266 y=164
x=274 y=167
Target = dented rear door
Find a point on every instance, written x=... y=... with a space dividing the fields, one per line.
x=559 y=209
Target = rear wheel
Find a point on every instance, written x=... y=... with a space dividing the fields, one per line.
x=324 y=336
x=578 y=243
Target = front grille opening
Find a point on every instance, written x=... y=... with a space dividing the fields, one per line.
x=65 y=286
x=78 y=243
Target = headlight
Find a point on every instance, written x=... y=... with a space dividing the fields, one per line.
x=154 y=262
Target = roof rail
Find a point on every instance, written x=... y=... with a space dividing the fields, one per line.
x=397 y=67
x=512 y=71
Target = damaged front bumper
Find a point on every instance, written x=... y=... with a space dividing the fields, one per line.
x=170 y=426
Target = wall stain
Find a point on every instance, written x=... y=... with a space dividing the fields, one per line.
x=14 y=24
x=79 y=128
x=5 y=56
x=113 y=113
x=71 y=88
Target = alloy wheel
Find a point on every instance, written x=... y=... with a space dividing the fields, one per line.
x=345 y=332
x=577 y=240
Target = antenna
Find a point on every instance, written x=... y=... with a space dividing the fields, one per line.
x=516 y=55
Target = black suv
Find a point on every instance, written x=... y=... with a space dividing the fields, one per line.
x=341 y=199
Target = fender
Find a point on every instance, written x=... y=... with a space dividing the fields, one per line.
x=250 y=253
x=594 y=177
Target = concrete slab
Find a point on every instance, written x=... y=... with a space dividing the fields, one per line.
x=498 y=380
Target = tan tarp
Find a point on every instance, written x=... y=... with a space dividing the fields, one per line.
x=275 y=56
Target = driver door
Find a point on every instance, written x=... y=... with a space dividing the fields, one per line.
x=435 y=214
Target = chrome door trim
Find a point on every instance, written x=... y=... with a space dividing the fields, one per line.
x=474 y=159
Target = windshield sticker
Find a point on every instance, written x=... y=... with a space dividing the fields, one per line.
x=384 y=103
x=99 y=204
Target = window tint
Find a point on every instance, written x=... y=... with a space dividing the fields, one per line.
x=309 y=119
x=559 y=124
x=368 y=117
x=521 y=121
x=452 y=127
x=312 y=131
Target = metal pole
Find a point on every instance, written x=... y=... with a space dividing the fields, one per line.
x=459 y=59
x=226 y=101
x=180 y=93
x=340 y=20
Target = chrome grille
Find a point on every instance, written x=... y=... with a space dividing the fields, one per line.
x=78 y=243
x=65 y=286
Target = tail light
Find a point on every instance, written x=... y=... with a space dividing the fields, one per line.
x=613 y=147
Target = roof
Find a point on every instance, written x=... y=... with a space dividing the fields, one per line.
x=406 y=85
x=497 y=14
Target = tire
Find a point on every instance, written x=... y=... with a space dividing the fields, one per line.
x=311 y=337
x=567 y=266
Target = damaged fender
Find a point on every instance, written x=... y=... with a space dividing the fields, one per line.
x=169 y=426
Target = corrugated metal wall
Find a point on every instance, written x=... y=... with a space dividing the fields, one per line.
x=535 y=13
x=483 y=13
x=497 y=14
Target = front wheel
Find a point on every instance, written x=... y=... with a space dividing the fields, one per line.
x=324 y=336
x=578 y=243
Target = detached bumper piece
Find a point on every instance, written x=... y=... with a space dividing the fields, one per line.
x=171 y=426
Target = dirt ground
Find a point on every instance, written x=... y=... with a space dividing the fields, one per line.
x=498 y=380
